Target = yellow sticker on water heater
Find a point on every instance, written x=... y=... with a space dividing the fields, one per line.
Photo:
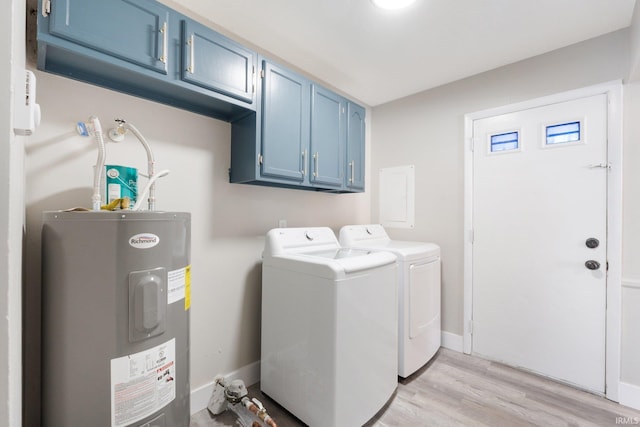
x=187 y=288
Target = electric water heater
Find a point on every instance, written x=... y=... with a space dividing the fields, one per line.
x=116 y=290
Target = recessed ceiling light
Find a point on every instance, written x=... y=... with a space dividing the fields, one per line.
x=392 y=4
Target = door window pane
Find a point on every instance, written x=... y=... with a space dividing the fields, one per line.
x=505 y=142
x=563 y=133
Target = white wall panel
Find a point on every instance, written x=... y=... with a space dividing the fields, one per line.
x=12 y=50
x=630 y=369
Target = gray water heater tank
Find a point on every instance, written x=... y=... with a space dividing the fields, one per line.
x=115 y=319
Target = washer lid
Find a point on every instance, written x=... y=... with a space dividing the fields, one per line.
x=339 y=253
x=374 y=237
x=331 y=265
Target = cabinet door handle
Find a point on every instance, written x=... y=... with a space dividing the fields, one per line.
x=164 y=32
x=352 y=167
x=192 y=53
x=304 y=163
x=316 y=171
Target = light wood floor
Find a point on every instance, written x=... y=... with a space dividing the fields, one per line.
x=460 y=390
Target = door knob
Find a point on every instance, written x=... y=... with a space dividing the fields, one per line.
x=592 y=265
x=592 y=243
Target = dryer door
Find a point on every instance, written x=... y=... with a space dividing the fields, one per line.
x=424 y=296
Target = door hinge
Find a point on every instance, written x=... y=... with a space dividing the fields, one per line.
x=260 y=159
x=471 y=144
x=46 y=7
x=470 y=327
x=471 y=236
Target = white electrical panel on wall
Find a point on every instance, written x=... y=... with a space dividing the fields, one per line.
x=397 y=197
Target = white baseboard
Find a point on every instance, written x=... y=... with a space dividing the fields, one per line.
x=629 y=395
x=630 y=283
x=250 y=374
x=452 y=341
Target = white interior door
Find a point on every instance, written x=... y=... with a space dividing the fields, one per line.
x=539 y=193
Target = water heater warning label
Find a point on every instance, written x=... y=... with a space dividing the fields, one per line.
x=142 y=383
x=177 y=283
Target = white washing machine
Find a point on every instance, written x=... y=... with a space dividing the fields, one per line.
x=329 y=327
x=419 y=329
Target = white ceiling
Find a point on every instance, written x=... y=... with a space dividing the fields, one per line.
x=377 y=56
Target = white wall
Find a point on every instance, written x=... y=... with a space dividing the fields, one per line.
x=634 y=35
x=630 y=366
x=228 y=220
x=427 y=130
x=5 y=173
x=12 y=49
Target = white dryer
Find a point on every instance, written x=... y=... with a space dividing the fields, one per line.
x=419 y=329
x=329 y=327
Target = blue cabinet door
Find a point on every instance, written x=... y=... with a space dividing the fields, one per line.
x=285 y=124
x=328 y=121
x=355 y=146
x=214 y=62
x=133 y=30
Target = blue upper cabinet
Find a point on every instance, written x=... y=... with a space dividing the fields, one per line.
x=328 y=125
x=133 y=30
x=139 y=47
x=300 y=136
x=285 y=125
x=214 y=62
x=286 y=130
x=355 y=147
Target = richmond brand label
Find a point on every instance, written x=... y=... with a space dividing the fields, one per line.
x=144 y=240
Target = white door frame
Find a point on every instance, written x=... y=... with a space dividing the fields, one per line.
x=613 y=90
